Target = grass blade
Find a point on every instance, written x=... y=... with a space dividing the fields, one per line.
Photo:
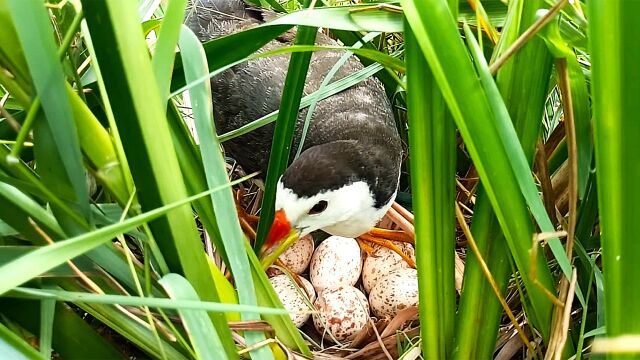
x=89 y=298
x=164 y=55
x=203 y=335
x=283 y=134
x=47 y=313
x=439 y=40
x=215 y=170
x=36 y=37
x=432 y=145
x=140 y=115
x=329 y=90
x=13 y=347
x=73 y=338
x=615 y=91
x=48 y=257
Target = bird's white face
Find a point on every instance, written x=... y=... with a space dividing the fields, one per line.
x=348 y=211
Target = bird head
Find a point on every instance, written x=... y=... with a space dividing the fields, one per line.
x=324 y=189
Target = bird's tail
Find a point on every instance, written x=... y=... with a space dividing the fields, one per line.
x=210 y=19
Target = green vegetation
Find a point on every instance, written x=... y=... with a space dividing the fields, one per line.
x=522 y=158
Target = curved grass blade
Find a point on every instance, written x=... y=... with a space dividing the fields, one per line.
x=73 y=337
x=579 y=98
x=325 y=82
x=232 y=238
x=203 y=335
x=329 y=90
x=130 y=328
x=523 y=82
x=228 y=49
x=381 y=58
x=285 y=329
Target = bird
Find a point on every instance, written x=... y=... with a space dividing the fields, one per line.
x=347 y=175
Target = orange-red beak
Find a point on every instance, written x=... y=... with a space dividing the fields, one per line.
x=280 y=228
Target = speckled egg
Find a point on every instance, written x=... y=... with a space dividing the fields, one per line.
x=394 y=291
x=337 y=261
x=297 y=257
x=292 y=298
x=382 y=261
x=342 y=312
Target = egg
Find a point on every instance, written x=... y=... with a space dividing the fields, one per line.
x=342 y=312
x=394 y=291
x=298 y=256
x=337 y=261
x=382 y=261
x=292 y=298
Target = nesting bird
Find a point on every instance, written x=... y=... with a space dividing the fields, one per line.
x=347 y=175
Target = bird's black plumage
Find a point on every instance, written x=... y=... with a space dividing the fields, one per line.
x=352 y=135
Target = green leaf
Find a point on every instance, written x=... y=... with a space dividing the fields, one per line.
x=285 y=330
x=375 y=55
x=432 y=147
x=495 y=149
x=203 y=335
x=229 y=49
x=579 y=98
x=163 y=58
x=328 y=90
x=13 y=347
x=140 y=116
x=37 y=262
x=615 y=90
x=188 y=304
x=354 y=18
x=195 y=65
x=73 y=337
x=283 y=133
x=36 y=37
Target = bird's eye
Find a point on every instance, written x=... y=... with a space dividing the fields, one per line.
x=319 y=207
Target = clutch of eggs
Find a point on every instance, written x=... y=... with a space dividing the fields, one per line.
x=335 y=267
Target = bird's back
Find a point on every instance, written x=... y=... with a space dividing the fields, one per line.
x=253 y=89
